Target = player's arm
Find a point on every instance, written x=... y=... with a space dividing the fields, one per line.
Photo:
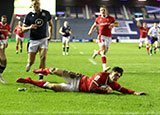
x=139 y=23
x=9 y=34
x=1 y=35
x=92 y=29
x=70 y=32
x=25 y=28
x=95 y=89
x=149 y=32
x=117 y=87
x=60 y=31
x=50 y=29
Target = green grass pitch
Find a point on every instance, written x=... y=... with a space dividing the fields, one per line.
x=141 y=73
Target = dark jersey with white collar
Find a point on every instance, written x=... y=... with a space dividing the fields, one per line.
x=41 y=20
x=66 y=31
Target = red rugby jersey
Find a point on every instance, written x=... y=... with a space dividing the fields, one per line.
x=19 y=31
x=4 y=30
x=99 y=79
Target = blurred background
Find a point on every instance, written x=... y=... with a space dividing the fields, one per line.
x=81 y=15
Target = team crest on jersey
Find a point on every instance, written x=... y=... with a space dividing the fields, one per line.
x=43 y=14
x=39 y=22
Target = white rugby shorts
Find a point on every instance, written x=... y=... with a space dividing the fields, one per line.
x=34 y=45
x=65 y=39
x=72 y=84
x=144 y=40
x=3 y=43
x=21 y=38
x=104 y=40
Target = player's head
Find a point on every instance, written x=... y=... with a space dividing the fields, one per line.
x=4 y=19
x=20 y=23
x=115 y=74
x=155 y=25
x=144 y=24
x=66 y=23
x=35 y=4
x=103 y=11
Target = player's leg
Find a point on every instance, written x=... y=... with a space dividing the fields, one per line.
x=31 y=59
x=104 y=49
x=17 y=44
x=46 y=85
x=32 y=48
x=67 y=45
x=140 y=43
x=156 y=45
x=3 y=63
x=63 y=45
x=21 y=44
x=99 y=51
x=43 y=53
x=147 y=45
x=151 y=49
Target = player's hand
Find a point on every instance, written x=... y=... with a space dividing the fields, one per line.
x=90 y=33
x=6 y=45
x=49 y=38
x=111 y=25
x=33 y=26
x=140 y=93
x=2 y=36
x=109 y=89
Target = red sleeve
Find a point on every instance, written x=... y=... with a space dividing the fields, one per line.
x=96 y=21
x=15 y=29
x=117 y=87
x=95 y=89
x=9 y=28
x=113 y=20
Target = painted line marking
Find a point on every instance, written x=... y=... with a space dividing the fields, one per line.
x=81 y=53
x=74 y=46
x=93 y=62
x=84 y=113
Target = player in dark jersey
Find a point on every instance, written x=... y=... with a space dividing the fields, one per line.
x=102 y=83
x=4 y=34
x=36 y=21
x=66 y=32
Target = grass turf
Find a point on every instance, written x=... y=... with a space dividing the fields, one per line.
x=141 y=73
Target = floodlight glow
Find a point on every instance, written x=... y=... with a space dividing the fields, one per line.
x=142 y=0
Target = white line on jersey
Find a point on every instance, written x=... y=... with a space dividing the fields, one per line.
x=81 y=53
x=93 y=62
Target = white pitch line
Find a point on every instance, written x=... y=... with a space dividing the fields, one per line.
x=83 y=113
x=74 y=47
x=81 y=53
x=93 y=62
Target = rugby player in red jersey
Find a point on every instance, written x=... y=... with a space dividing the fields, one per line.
x=143 y=35
x=102 y=82
x=105 y=23
x=4 y=33
x=19 y=36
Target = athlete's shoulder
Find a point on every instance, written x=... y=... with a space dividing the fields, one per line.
x=46 y=11
x=103 y=74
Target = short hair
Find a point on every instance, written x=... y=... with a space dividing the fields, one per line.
x=118 y=69
x=34 y=0
x=3 y=16
x=103 y=7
